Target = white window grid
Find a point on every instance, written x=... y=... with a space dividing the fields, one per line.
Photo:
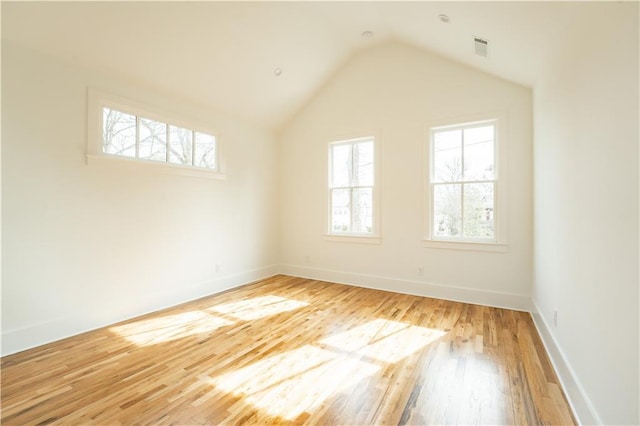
x=139 y=117
x=462 y=182
x=351 y=143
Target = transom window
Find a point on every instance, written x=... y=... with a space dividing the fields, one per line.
x=351 y=187
x=463 y=182
x=136 y=136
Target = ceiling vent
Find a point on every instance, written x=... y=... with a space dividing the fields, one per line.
x=481 y=46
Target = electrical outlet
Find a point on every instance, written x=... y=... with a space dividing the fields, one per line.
x=217 y=267
x=555 y=317
x=307 y=259
x=420 y=270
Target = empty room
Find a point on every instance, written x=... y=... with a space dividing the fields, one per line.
x=352 y=213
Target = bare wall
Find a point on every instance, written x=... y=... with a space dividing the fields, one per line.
x=88 y=245
x=395 y=90
x=586 y=216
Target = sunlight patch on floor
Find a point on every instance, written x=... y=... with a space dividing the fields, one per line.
x=289 y=384
x=170 y=327
x=384 y=340
x=258 y=307
x=468 y=390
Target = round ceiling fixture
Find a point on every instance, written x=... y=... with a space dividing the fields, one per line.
x=366 y=34
x=444 y=18
x=277 y=72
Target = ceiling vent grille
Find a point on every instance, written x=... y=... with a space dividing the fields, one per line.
x=481 y=46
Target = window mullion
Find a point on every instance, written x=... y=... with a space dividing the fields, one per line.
x=193 y=148
x=137 y=136
x=351 y=166
x=351 y=209
x=462 y=184
x=168 y=142
x=462 y=210
x=462 y=154
x=472 y=181
x=495 y=211
x=332 y=188
x=330 y=210
x=351 y=179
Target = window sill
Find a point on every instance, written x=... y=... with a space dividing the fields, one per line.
x=359 y=239
x=159 y=166
x=465 y=245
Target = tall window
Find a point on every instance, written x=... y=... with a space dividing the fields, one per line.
x=351 y=187
x=463 y=182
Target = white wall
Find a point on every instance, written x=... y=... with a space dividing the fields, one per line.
x=396 y=90
x=586 y=216
x=88 y=245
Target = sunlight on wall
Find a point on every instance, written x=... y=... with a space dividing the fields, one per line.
x=384 y=340
x=170 y=327
x=258 y=307
x=295 y=382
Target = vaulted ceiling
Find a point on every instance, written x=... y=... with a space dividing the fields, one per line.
x=224 y=54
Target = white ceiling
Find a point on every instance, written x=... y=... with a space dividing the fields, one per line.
x=223 y=54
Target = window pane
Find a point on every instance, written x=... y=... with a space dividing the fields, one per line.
x=118 y=133
x=363 y=163
x=478 y=153
x=340 y=165
x=447 y=210
x=340 y=210
x=447 y=156
x=153 y=140
x=362 y=210
x=205 y=151
x=478 y=210
x=180 y=145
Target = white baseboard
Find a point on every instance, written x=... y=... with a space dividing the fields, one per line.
x=582 y=407
x=33 y=335
x=517 y=302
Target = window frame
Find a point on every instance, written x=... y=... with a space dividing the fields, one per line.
x=354 y=237
x=98 y=100
x=499 y=243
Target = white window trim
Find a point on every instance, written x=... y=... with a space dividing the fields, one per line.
x=374 y=236
x=500 y=243
x=97 y=100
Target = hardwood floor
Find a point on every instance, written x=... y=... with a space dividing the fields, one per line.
x=292 y=350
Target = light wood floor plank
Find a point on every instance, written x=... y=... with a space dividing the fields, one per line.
x=288 y=350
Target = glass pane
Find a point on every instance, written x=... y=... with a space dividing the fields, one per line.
x=205 y=151
x=478 y=210
x=180 y=145
x=118 y=133
x=362 y=210
x=447 y=210
x=363 y=162
x=340 y=210
x=340 y=165
x=153 y=140
x=447 y=156
x=478 y=153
